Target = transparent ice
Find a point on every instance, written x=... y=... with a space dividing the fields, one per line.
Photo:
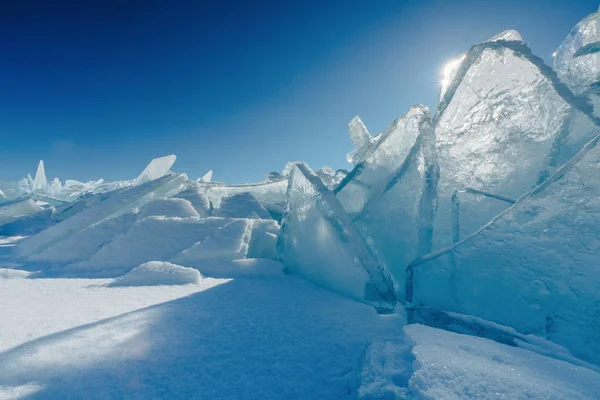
x=157 y=168
x=319 y=242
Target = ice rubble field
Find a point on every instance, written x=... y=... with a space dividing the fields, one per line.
x=457 y=259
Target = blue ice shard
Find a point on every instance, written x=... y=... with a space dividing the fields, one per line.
x=503 y=126
x=388 y=194
x=533 y=267
x=577 y=60
x=319 y=242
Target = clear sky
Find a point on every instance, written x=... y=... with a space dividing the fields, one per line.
x=99 y=88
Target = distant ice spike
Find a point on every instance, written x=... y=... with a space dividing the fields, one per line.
x=362 y=139
x=157 y=168
x=40 y=182
x=206 y=178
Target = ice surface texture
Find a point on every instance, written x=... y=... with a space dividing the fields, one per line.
x=503 y=126
x=268 y=192
x=319 y=242
x=385 y=193
x=577 y=60
x=533 y=267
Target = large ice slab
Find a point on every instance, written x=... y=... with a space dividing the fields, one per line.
x=149 y=239
x=397 y=217
x=105 y=207
x=157 y=168
x=451 y=67
x=17 y=209
x=505 y=123
x=577 y=60
x=533 y=267
x=319 y=242
x=387 y=155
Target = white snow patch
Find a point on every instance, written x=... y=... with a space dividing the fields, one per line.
x=454 y=366
x=158 y=273
x=8 y=273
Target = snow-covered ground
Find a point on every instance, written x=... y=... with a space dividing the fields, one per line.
x=256 y=336
x=263 y=337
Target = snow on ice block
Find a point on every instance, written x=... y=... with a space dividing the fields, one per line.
x=149 y=239
x=577 y=60
x=198 y=199
x=242 y=205
x=82 y=245
x=503 y=126
x=386 y=191
x=111 y=205
x=168 y=208
x=8 y=273
x=319 y=242
x=18 y=209
x=155 y=273
x=263 y=241
x=157 y=168
x=387 y=155
x=533 y=267
x=269 y=192
x=229 y=242
x=454 y=366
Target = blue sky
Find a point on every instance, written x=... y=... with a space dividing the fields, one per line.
x=98 y=89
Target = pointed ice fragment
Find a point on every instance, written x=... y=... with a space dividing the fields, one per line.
x=577 y=60
x=534 y=266
x=395 y=212
x=206 y=177
x=319 y=242
x=362 y=139
x=157 y=168
x=40 y=182
x=505 y=123
x=385 y=157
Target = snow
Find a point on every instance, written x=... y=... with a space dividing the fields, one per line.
x=242 y=205
x=168 y=208
x=228 y=242
x=158 y=273
x=198 y=200
x=73 y=338
x=8 y=273
x=453 y=366
x=157 y=168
